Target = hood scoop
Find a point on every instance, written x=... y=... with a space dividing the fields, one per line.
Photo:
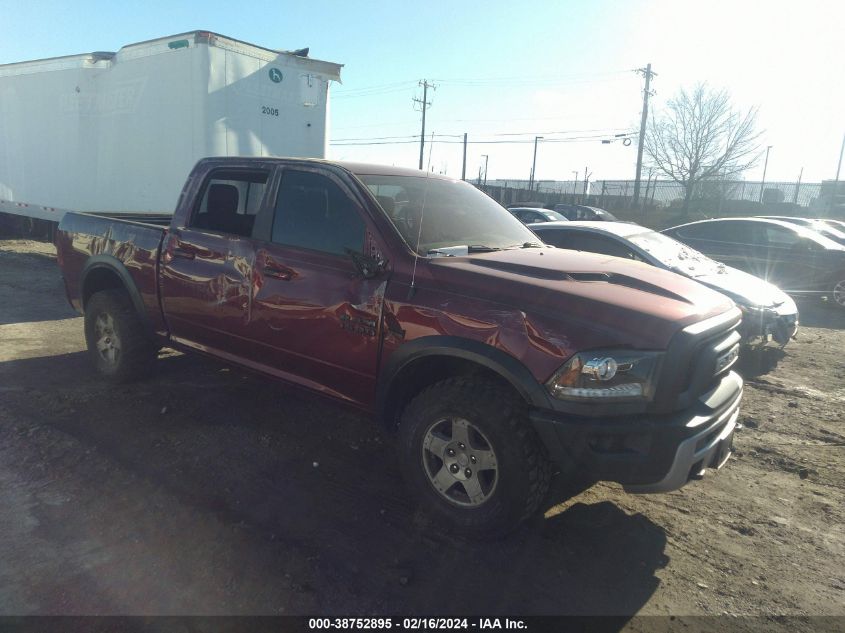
x=590 y=277
x=629 y=282
x=537 y=272
x=551 y=274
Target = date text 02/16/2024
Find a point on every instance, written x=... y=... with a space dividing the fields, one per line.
x=413 y=624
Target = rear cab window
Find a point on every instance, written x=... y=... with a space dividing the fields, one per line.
x=230 y=201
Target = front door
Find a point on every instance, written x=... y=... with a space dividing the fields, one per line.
x=315 y=319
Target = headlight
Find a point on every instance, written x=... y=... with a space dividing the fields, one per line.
x=606 y=375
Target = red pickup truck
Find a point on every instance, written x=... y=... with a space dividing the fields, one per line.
x=414 y=297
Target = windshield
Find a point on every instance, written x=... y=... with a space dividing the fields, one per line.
x=433 y=213
x=553 y=216
x=675 y=255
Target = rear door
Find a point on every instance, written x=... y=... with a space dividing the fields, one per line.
x=207 y=264
x=787 y=259
x=315 y=319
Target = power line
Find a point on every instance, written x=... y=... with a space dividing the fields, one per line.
x=575 y=78
x=379 y=86
x=371 y=93
x=381 y=89
x=606 y=133
x=574 y=139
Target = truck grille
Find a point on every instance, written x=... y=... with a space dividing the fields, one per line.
x=697 y=358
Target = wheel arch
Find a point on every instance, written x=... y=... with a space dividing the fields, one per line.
x=106 y=272
x=427 y=360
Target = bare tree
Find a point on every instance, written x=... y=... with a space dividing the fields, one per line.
x=700 y=137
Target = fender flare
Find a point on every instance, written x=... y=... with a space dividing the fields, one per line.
x=114 y=265
x=502 y=363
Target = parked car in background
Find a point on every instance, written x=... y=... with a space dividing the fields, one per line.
x=837 y=234
x=582 y=212
x=839 y=225
x=768 y=312
x=528 y=215
x=795 y=258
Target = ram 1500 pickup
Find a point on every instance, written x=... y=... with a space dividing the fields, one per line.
x=416 y=298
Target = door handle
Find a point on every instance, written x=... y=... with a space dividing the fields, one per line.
x=285 y=274
x=183 y=253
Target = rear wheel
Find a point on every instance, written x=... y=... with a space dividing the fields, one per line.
x=117 y=340
x=838 y=291
x=468 y=449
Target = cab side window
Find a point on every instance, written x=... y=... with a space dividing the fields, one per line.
x=312 y=212
x=230 y=202
x=777 y=236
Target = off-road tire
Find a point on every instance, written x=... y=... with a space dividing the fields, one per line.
x=137 y=351
x=523 y=471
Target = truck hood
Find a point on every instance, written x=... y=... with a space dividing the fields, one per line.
x=617 y=301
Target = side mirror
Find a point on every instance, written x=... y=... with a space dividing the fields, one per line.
x=368 y=267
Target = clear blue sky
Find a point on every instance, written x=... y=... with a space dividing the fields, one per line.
x=562 y=70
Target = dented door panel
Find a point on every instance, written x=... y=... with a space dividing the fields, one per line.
x=318 y=322
x=205 y=288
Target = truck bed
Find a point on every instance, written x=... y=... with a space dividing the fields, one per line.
x=86 y=240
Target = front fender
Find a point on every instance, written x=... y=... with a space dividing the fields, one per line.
x=503 y=364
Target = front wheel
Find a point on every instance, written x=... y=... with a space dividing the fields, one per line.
x=468 y=449
x=117 y=340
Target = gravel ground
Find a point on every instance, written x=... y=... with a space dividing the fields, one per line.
x=206 y=490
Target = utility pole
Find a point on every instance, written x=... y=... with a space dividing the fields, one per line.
x=586 y=180
x=533 y=164
x=575 y=185
x=646 y=94
x=424 y=104
x=835 y=193
x=464 y=169
x=798 y=186
x=765 y=167
x=486 y=159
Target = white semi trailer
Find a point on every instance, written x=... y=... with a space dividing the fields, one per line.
x=117 y=132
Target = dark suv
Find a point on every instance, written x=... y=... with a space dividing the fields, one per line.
x=583 y=212
x=529 y=215
x=795 y=258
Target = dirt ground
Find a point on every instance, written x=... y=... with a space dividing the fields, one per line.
x=206 y=490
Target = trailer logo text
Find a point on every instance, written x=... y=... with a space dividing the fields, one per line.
x=120 y=99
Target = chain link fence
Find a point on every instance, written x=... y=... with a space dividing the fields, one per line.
x=712 y=198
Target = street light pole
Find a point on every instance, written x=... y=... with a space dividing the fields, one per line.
x=486 y=159
x=533 y=164
x=765 y=167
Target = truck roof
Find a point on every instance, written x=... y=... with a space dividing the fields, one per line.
x=359 y=169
